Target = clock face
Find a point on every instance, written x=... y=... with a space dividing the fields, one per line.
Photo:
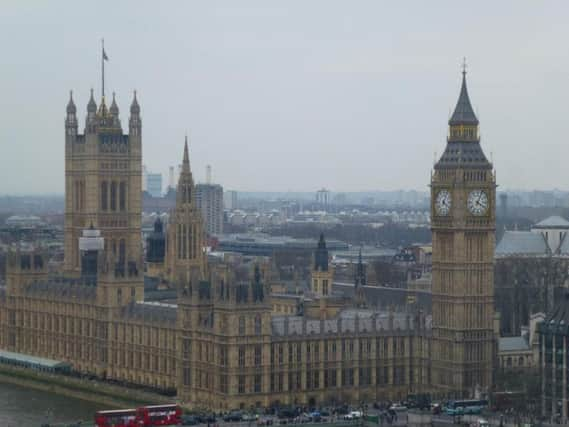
x=443 y=202
x=477 y=202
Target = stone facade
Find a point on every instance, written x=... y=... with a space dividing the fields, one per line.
x=553 y=360
x=463 y=194
x=103 y=180
x=221 y=346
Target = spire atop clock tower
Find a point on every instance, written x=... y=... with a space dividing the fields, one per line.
x=463 y=148
x=463 y=112
x=463 y=222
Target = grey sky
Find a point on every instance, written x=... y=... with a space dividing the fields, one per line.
x=291 y=95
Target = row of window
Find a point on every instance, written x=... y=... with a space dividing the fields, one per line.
x=313 y=379
x=113 y=196
x=329 y=348
x=123 y=333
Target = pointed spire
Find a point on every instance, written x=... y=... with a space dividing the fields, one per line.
x=71 y=109
x=463 y=112
x=185 y=187
x=186 y=161
x=114 y=109
x=321 y=255
x=92 y=106
x=134 y=107
x=321 y=242
x=103 y=110
x=360 y=274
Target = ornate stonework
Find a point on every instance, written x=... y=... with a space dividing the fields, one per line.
x=221 y=346
x=463 y=195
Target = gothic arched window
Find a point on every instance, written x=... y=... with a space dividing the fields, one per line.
x=122 y=251
x=122 y=196
x=241 y=325
x=113 y=196
x=258 y=324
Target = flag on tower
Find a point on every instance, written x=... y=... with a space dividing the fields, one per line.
x=105 y=57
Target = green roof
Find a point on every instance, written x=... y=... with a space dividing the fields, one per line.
x=32 y=360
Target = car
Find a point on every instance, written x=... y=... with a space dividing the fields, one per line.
x=356 y=414
x=189 y=420
x=315 y=416
x=249 y=417
x=265 y=421
x=233 y=416
x=286 y=413
x=436 y=408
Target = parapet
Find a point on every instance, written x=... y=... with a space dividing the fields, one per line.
x=354 y=322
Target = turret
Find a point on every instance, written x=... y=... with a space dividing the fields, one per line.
x=185 y=255
x=114 y=113
x=91 y=114
x=23 y=268
x=321 y=255
x=71 y=118
x=359 y=282
x=134 y=121
x=360 y=272
x=322 y=274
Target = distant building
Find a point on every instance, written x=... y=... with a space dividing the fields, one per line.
x=24 y=221
x=230 y=200
x=154 y=184
x=553 y=343
x=209 y=199
x=522 y=352
x=323 y=197
x=531 y=272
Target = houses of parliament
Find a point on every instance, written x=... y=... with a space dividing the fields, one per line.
x=221 y=346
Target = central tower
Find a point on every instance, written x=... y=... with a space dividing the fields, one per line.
x=185 y=258
x=463 y=195
x=103 y=170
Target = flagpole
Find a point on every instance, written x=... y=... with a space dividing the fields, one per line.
x=103 y=66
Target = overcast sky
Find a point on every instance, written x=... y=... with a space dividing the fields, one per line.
x=290 y=95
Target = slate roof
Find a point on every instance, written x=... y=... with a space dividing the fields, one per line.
x=151 y=312
x=463 y=112
x=31 y=360
x=513 y=344
x=62 y=287
x=522 y=243
x=553 y=222
x=463 y=154
x=385 y=297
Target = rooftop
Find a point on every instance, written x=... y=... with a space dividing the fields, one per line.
x=553 y=222
x=521 y=243
x=513 y=344
x=33 y=360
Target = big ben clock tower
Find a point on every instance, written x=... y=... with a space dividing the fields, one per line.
x=463 y=195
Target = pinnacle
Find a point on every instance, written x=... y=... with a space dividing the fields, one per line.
x=463 y=112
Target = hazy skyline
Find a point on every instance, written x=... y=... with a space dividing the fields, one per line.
x=292 y=95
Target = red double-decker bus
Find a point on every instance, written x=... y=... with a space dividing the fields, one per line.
x=159 y=415
x=117 y=418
